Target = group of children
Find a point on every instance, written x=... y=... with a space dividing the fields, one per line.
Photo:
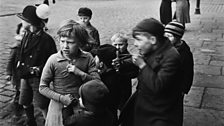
x=84 y=83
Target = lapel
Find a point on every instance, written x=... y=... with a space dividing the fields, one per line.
x=34 y=40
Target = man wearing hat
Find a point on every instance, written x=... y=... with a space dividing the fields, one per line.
x=158 y=100
x=36 y=47
x=174 y=31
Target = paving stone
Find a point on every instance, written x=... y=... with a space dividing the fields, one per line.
x=222 y=71
x=211 y=36
x=211 y=81
x=194 y=97
x=213 y=99
x=201 y=59
x=8 y=93
x=217 y=63
x=203 y=117
x=206 y=69
x=217 y=57
x=4 y=99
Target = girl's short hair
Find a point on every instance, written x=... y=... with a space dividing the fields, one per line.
x=120 y=37
x=72 y=29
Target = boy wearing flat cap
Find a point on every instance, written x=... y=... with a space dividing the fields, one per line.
x=159 y=100
x=36 y=47
x=174 y=31
x=85 y=15
x=92 y=107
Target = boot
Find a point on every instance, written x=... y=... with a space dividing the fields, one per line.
x=30 y=116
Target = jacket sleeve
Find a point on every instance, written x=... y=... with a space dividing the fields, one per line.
x=11 y=61
x=46 y=79
x=157 y=79
x=92 y=71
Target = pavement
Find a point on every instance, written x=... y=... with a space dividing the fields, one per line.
x=203 y=106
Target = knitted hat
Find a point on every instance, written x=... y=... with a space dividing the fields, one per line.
x=175 y=28
x=84 y=11
x=94 y=92
x=30 y=15
x=106 y=54
x=151 y=26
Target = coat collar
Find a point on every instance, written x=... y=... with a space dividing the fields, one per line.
x=155 y=58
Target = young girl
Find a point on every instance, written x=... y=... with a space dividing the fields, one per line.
x=68 y=70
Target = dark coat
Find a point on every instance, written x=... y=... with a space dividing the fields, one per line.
x=35 y=50
x=159 y=100
x=127 y=71
x=12 y=64
x=166 y=11
x=112 y=80
x=82 y=117
x=187 y=66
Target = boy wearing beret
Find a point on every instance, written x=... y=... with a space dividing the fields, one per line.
x=91 y=109
x=174 y=31
x=159 y=100
x=85 y=15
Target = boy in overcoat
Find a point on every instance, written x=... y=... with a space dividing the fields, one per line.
x=158 y=99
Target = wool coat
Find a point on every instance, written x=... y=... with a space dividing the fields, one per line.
x=159 y=101
x=187 y=66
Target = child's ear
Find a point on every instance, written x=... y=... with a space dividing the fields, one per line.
x=153 y=38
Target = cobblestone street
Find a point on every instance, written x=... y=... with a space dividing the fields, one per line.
x=204 y=105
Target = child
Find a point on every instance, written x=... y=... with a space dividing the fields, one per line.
x=110 y=77
x=175 y=31
x=85 y=15
x=12 y=74
x=125 y=66
x=158 y=94
x=68 y=70
x=92 y=109
x=36 y=47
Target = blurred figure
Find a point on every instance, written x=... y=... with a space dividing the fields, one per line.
x=166 y=11
x=12 y=73
x=182 y=13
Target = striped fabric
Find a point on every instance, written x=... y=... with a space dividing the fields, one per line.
x=175 y=28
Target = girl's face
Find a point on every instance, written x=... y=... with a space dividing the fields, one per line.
x=69 y=46
x=84 y=20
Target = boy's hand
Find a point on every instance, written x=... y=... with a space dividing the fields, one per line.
x=116 y=63
x=66 y=99
x=138 y=61
x=73 y=69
